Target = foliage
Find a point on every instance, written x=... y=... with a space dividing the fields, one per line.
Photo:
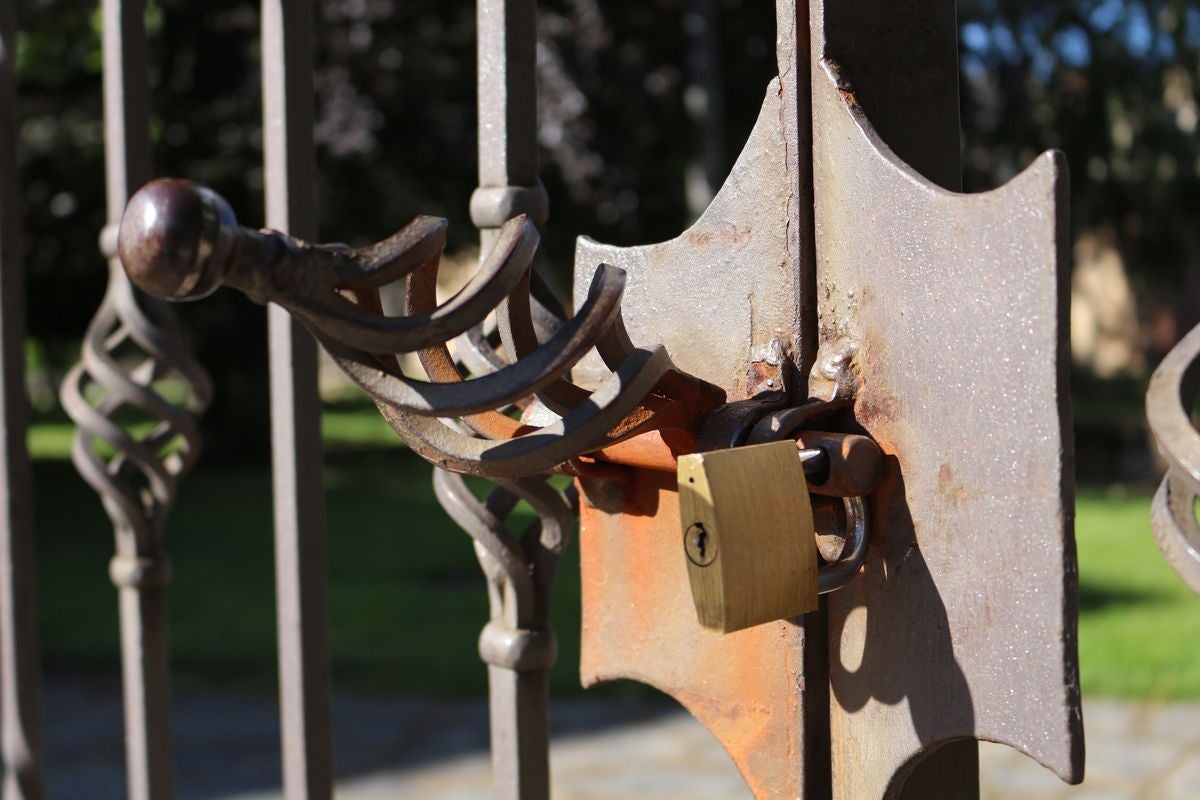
x=1114 y=84
x=1111 y=82
x=395 y=111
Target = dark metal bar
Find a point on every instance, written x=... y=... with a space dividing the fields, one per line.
x=144 y=657
x=138 y=484
x=300 y=546
x=507 y=88
x=814 y=757
x=507 y=47
x=508 y=185
x=518 y=643
x=20 y=690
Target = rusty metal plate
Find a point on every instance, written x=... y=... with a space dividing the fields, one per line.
x=639 y=622
x=949 y=314
x=730 y=295
x=717 y=295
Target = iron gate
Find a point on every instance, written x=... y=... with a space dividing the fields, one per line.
x=840 y=216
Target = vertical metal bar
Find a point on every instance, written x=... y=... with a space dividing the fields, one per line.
x=147 y=692
x=507 y=49
x=20 y=691
x=519 y=712
x=792 y=54
x=507 y=89
x=518 y=643
x=509 y=185
x=903 y=59
x=144 y=657
x=793 y=49
x=300 y=547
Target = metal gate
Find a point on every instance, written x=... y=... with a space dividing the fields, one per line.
x=948 y=608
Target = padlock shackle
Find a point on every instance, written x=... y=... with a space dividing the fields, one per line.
x=836 y=464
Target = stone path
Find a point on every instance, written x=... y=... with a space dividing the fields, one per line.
x=413 y=748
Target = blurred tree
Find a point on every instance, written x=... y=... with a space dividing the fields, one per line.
x=1111 y=82
x=396 y=136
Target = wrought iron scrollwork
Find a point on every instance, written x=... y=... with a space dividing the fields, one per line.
x=1173 y=391
x=518 y=644
x=133 y=446
x=181 y=241
x=133 y=344
x=519 y=570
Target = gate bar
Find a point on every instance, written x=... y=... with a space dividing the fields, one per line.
x=144 y=644
x=20 y=690
x=519 y=714
x=301 y=565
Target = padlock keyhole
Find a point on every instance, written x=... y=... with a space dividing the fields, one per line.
x=701 y=549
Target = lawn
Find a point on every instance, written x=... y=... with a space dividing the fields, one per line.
x=1139 y=624
x=407 y=600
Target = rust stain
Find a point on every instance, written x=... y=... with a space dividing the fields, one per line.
x=875 y=408
x=725 y=234
x=639 y=622
x=948 y=488
x=843 y=86
x=764 y=376
x=945 y=476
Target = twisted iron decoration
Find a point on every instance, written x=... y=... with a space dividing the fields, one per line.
x=181 y=241
x=1172 y=394
x=518 y=644
x=132 y=344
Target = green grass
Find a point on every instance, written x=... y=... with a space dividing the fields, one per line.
x=1139 y=624
x=406 y=598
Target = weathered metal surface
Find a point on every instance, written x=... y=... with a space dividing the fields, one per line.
x=743 y=238
x=20 y=687
x=944 y=317
x=748 y=688
x=137 y=485
x=1172 y=394
x=747 y=263
x=301 y=565
x=910 y=275
x=518 y=643
x=741 y=262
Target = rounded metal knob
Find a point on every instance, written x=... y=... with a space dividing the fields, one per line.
x=175 y=239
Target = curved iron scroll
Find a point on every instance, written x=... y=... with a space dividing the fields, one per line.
x=1173 y=391
x=132 y=344
x=517 y=644
x=181 y=241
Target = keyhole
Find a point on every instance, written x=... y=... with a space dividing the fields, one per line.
x=701 y=551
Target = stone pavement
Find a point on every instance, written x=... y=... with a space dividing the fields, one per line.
x=227 y=747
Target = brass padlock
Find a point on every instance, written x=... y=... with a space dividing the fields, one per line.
x=748 y=535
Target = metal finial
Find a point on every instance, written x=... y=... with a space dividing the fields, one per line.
x=176 y=238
